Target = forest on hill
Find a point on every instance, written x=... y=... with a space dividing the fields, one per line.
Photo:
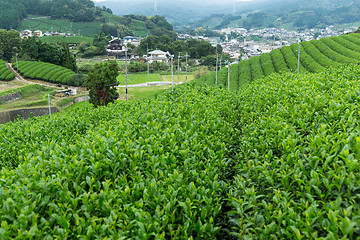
x=80 y=16
x=13 y=11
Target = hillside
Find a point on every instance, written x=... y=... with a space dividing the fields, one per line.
x=133 y=25
x=82 y=18
x=315 y=56
x=277 y=160
x=294 y=14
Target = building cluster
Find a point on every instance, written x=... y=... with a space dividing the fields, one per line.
x=254 y=42
x=39 y=33
x=117 y=49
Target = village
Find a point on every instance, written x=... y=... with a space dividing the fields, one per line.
x=239 y=43
x=254 y=42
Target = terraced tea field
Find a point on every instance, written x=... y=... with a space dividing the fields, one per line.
x=315 y=56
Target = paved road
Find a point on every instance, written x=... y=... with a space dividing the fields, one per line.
x=161 y=83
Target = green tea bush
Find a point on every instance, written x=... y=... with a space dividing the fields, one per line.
x=154 y=169
x=318 y=56
x=291 y=59
x=275 y=160
x=315 y=56
x=5 y=73
x=337 y=57
x=278 y=61
x=344 y=41
x=256 y=70
x=341 y=48
x=306 y=60
x=44 y=71
x=244 y=73
x=297 y=170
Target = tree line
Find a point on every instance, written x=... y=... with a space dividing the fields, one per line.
x=13 y=11
x=11 y=45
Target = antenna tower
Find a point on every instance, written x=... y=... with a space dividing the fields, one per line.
x=234 y=9
x=155 y=7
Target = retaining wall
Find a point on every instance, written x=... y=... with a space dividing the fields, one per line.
x=76 y=100
x=9 y=116
x=10 y=97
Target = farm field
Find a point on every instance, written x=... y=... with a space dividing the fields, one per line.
x=315 y=56
x=5 y=73
x=32 y=96
x=68 y=39
x=275 y=160
x=86 y=29
x=47 y=72
x=5 y=86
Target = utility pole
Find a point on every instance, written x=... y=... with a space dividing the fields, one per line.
x=155 y=7
x=148 y=69
x=172 y=69
x=186 y=66
x=234 y=9
x=220 y=62
x=216 y=70
x=229 y=76
x=299 y=56
x=49 y=106
x=126 y=73
x=85 y=100
x=147 y=60
x=279 y=19
x=179 y=67
x=117 y=48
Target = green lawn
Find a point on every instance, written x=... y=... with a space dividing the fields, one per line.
x=139 y=93
x=136 y=78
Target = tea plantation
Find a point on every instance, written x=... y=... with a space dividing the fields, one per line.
x=5 y=73
x=315 y=55
x=278 y=160
x=45 y=71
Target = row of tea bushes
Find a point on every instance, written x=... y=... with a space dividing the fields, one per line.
x=5 y=73
x=46 y=72
x=315 y=55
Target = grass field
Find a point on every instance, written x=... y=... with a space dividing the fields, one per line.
x=139 y=93
x=6 y=86
x=88 y=29
x=137 y=78
x=70 y=39
x=32 y=96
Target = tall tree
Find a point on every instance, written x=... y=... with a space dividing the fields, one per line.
x=68 y=60
x=101 y=82
x=9 y=43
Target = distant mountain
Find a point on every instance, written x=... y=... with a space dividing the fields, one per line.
x=81 y=17
x=179 y=13
x=257 y=13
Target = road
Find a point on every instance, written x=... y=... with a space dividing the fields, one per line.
x=20 y=78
